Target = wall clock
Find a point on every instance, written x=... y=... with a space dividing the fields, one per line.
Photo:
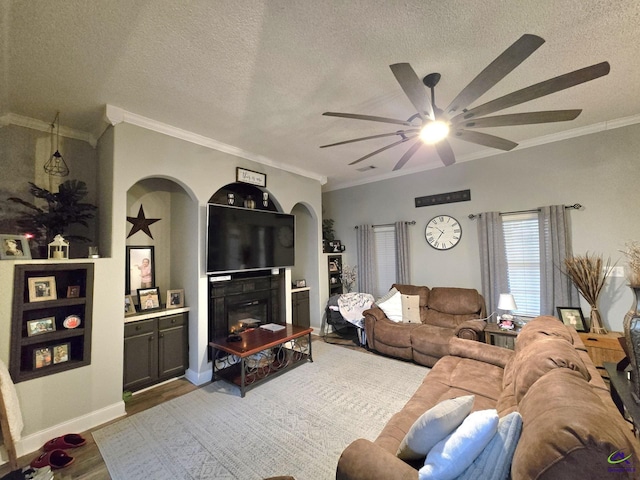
x=443 y=232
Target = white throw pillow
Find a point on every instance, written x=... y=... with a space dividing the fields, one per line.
x=411 y=308
x=392 y=307
x=453 y=455
x=434 y=425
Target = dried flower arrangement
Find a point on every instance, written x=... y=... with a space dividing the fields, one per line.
x=348 y=276
x=588 y=275
x=632 y=253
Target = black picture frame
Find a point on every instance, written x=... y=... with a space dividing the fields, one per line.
x=149 y=299
x=135 y=265
x=572 y=316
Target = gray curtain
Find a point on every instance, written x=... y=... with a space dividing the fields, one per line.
x=402 y=253
x=366 y=259
x=493 y=259
x=556 y=288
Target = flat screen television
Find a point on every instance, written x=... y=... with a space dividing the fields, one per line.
x=243 y=239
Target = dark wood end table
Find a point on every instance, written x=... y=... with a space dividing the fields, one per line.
x=261 y=354
x=492 y=333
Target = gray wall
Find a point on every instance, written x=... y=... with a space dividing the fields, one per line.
x=599 y=171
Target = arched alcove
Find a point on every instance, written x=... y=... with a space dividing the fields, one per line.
x=237 y=194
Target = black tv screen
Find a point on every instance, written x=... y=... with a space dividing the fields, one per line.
x=244 y=239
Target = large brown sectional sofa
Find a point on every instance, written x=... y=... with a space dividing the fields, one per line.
x=445 y=312
x=571 y=427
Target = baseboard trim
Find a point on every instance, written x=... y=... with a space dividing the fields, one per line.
x=198 y=378
x=33 y=442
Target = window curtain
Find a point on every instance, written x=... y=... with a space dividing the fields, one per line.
x=493 y=258
x=556 y=288
x=402 y=253
x=366 y=258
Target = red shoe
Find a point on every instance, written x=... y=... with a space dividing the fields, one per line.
x=53 y=459
x=70 y=440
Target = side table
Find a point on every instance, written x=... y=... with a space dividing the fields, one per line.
x=602 y=348
x=621 y=394
x=494 y=335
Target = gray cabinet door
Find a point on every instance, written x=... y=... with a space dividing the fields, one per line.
x=140 y=360
x=172 y=351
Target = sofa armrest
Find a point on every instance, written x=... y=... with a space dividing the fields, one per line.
x=371 y=316
x=482 y=352
x=471 y=329
x=364 y=460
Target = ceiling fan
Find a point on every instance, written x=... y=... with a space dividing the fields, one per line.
x=432 y=125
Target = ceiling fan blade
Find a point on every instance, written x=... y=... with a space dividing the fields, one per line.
x=399 y=132
x=408 y=154
x=413 y=88
x=368 y=117
x=538 y=90
x=526 y=118
x=387 y=147
x=443 y=147
x=495 y=71
x=485 y=139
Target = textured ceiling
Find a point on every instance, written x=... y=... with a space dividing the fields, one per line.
x=258 y=75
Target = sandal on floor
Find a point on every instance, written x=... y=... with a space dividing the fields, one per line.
x=70 y=440
x=53 y=459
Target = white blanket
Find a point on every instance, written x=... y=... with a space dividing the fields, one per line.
x=11 y=403
x=352 y=305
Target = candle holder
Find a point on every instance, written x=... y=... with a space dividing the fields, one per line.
x=59 y=248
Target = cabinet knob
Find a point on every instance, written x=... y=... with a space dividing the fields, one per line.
x=151 y=338
x=138 y=327
x=173 y=320
x=161 y=335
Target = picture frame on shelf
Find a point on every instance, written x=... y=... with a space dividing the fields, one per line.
x=14 y=247
x=42 y=289
x=73 y=291
x=61 y=353
x=149 y=298
x=572 y=316
x=41 y=326
x=301 y=283
x=333 y=266
x=175 y=298
x=140 y=268
x=41 y=357
x=129 y=306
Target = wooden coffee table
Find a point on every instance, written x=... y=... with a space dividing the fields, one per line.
x=261 y=354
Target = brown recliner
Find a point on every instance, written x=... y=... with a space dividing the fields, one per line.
x=444 y=312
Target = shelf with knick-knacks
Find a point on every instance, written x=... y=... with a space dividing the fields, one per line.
x=334 y=266
x=244 y=195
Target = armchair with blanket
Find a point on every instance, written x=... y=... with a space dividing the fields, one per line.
x=429 y=318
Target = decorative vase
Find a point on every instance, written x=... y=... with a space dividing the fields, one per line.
x=632 y=337
x=596 y=321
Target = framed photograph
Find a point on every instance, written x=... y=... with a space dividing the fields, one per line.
x=40 y=326
x=42 y=289
x=140 y=268
x=333 y=266
x=129 y=306
x=41 y=357
x=14 y=247
x=572 y=316
x=61 y=353
x=249 y=176
x=73 y=291
x=149 y=298
x=175 y=298
x=301 y=283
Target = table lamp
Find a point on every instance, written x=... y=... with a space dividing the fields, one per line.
x=507 y=303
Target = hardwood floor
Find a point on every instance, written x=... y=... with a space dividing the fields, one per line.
x=89 y=465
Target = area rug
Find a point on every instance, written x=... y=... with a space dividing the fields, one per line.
x=296 y=424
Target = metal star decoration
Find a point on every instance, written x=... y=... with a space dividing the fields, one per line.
x=140 y=223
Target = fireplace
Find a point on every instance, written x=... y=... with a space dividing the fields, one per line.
x=242 y=300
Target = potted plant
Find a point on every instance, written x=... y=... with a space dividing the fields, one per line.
x=63 y=209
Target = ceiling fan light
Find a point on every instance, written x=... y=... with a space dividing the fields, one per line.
x=433 y=132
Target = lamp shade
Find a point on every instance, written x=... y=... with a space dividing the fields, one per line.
x=506 y=302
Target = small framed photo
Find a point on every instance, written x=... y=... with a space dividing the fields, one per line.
x=14 y=247
x=73 y=291
x=301 y=283
x=41 y=357
x=61 y=353
x=333 y=266
x=129 y=306
x=140 y=269
x=40 y=326
x=175 y=298
x=249 y=176
x=572 y=316
x=149 y=298
x=42 y=289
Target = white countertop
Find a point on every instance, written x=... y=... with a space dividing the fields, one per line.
x=161 y=312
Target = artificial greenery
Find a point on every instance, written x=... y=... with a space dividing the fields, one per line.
x=64 y=209
x=327 y=229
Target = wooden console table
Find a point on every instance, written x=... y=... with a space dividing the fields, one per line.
x=621 y=394
x=259 y=355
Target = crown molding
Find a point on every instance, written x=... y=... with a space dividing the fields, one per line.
x=35 y=124
x=534 y=142
x=115 y=115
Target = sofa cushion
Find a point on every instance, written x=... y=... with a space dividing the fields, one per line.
x=494 y=461
x=456 y=301
x=542 y=327
x=391 y=305
x=420 y=290
x=431 y=340
x=411 y=309
x=453 y=455
x=434 y=425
